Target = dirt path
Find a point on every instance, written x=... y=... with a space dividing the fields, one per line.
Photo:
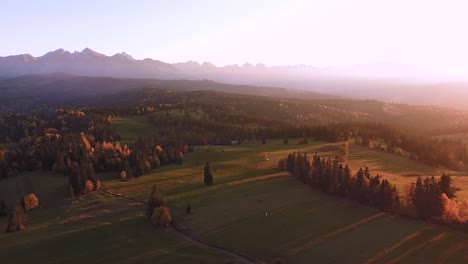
x=240 y=258
x=237 y=256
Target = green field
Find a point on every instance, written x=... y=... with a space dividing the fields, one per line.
x=132 y=127
x=252 y=209
x=94 y=229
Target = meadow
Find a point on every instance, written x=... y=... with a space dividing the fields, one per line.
x=252 y=208
x=131 y=128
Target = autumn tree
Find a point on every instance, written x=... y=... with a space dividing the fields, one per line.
x=29 y=202
x=155 y=200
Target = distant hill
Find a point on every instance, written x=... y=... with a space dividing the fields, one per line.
x=420 y=118
x=61 y=88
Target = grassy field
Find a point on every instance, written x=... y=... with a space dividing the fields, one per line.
x=401 y=171
x=252 y=208
x=130 y=128
x=94 y=229
x=263 y=213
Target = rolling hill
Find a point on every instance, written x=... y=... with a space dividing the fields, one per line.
x=66 y=88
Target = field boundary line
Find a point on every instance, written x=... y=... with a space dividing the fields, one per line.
x=420 y=246
x=397 y=245
x=339 y=231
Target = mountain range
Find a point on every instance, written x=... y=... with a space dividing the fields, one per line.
x=121 y=65
x=86 y=63
x=383 y=81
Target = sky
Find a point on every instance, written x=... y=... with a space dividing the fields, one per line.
x=429 y=34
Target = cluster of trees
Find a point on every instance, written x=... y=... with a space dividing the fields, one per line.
x=203 y=117
x=82 y=178
x=429 y=198
x=148 y=153
x=332 y=177
x=132 y=161
x=435 y=200
x=38 y=142
x=205 y=120
x=427 y=195
x=79 y=144
x=207 y=129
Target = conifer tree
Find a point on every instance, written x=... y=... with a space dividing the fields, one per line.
x=446 y=186
x=207 y=176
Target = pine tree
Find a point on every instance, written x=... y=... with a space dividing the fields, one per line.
x=323 y=175
x=419 y=197
x=346 y=189
x=333 y=176
x=396 y=200
x=207 y=176
x=427 y=198
x=434 y=201
x=139 y=167
x=358 y=185
x=374 y=190
x=385 y=196
x=445 y=185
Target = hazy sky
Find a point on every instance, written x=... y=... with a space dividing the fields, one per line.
x=430 y=34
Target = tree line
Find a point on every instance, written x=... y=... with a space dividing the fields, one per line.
x=429 y=198
x=332 y=177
